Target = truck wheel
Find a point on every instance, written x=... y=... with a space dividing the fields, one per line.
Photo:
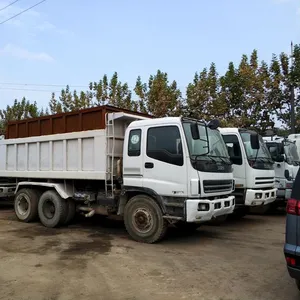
x=144 y=220
x=26 y=205
x=52 y=209
x=71 y=210
x=185 y=226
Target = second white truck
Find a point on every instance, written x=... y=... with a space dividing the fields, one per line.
x=253 y=169
x=284 y=153
x=152 y=172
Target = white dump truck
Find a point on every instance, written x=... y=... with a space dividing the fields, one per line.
x=253 y=169
x=152 y=172
x=284 y=153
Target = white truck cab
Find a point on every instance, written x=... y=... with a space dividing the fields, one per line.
x=284 y=153
x=253 y=169
x=182 y=161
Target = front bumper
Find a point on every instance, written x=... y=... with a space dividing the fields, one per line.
x=266 y=197
x=214 y=208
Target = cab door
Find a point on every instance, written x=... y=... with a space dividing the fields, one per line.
x=235 y=152
x=164 y=160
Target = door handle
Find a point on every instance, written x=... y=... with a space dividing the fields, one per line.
x=149 y=165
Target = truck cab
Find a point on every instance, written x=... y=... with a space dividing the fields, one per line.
x=253 y=169
x=182 y=161
x=284 y=153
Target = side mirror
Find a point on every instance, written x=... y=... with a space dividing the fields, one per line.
x=287 y=174
x=195 y=131
x=213 y=124
x=254 y=141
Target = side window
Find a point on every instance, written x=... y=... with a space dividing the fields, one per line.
x=164 y=144
x=234 y=149
x=134 y=142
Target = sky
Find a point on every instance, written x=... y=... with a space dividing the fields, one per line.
x=74 y=42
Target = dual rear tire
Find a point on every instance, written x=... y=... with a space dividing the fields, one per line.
x=49 y=207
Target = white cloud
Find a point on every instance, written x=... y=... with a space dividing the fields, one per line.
x=21 y=53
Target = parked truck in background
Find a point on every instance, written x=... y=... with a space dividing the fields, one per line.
x=253 y=169
x=152 y=172
x=284 y=153
x=295 y=137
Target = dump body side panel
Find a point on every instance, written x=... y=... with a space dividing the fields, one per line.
x=78 y=155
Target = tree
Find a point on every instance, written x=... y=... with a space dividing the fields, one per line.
x=111 y=92
x=159 y=97
x=20 y=110
x=54 y=105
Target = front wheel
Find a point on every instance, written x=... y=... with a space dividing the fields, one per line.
x=144 y=220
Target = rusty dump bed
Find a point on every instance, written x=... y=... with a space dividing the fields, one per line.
x=81 y=120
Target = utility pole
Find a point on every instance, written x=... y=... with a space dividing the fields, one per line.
x=292 y=92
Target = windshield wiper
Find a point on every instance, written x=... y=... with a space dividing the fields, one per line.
x=223 y=158
x=203 y=155
x=261 y=158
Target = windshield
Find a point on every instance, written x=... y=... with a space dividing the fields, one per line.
x=253 y=154
x=210 y=144
x=290 y=150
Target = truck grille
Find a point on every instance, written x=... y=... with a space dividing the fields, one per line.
x=264 y=180
x=215 y=186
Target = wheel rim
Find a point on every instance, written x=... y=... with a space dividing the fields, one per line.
x=49 y=209
x=23 y=204
x=142 y=220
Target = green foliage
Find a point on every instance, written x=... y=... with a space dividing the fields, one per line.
x=20 y=110
x=159 y=97
x=251 y=94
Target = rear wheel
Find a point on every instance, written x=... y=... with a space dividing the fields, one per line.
x=71 y=210
x=52 y=209
x=144 y=220
x=26 y=204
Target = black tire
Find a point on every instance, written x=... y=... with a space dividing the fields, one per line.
x=71 y=211
x=26 y=205
x=188 y=227
x=137 y=212
x=52 y=209
x=298 y=284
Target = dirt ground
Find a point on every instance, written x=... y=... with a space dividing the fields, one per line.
x=94 y=259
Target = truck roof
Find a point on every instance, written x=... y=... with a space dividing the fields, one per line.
x=294 y=136
x=229 y=129
x=158 y=121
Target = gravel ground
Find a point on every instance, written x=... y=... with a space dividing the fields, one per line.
x=96 y=259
